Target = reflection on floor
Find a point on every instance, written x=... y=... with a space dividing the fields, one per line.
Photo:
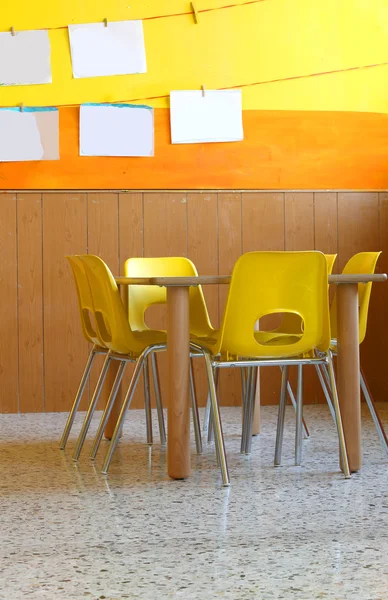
x=278 y=533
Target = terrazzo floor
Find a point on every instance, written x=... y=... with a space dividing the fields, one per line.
x=68 y=532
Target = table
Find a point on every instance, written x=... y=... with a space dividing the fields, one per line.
x=348 y=363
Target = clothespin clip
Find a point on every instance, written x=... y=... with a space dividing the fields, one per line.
x=106 y=22
x=203 y=90
x=12 y=31
x=195 y=15
x=22 y=107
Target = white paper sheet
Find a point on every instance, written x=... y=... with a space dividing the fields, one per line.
x=116 y=130
x=25 y=58
x=117 y=49
x=29 y=135
x=214 y=117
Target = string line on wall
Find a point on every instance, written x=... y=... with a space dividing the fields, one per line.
x=245 y=85
x=183 y=14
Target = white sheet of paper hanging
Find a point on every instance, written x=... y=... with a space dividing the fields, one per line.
x=25 y=58
x=29 y=135
x=117 y=49
x=214 y=117
x=116 y=130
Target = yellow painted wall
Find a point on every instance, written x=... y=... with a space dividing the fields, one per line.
x=255 y=42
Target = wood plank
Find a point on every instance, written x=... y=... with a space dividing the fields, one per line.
x=263 y=229
x=131 y=242
x=202 y=249
x=325 y=223
x=30 y=303
x=9 y=372
x=65 y=350
x=299 y=235
x=165 y=234
x=268 y=158
x=358 y=231
x=380 y=304
x=229 y=250
x=103 y=241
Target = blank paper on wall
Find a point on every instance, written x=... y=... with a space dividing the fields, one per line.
x=116 y=130
x=117 y=49
x=215 y=116
x=25 y=58
x=29 y=135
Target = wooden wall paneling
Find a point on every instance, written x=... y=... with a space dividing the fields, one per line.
x=326 y=240
x=378 y=346
x=30 y=303
x=263 y=229
x=202 y=249
x=65 y=350
x=358 y=231
x=325 y=223
x=9 y=370
x=131 y=234
x=299 y=235
x=165 y=234
x=102 y=240
x=229 y=250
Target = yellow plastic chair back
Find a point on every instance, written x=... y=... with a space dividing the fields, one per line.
x=140 y=297
x=265 y=283
x=84 y=300
x=109 y=313
x=363 y=262
x=291 y=323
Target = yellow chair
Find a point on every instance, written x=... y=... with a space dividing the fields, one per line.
x=91 y=336
x=123 y=343
x=116 y=335
x=363 y=262
x=141 y=297
x=265 y=283
x=292 y=324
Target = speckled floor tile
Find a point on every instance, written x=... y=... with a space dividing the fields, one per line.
x=68 y=532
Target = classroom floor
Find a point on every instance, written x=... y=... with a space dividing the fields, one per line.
x=68 y=532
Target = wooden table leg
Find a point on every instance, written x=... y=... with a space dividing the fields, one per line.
x=178 y=355
x=348 y=366
x=256 y=414
x=111 y=424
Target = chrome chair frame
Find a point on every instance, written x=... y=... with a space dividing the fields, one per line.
x=127 y=402
x=246 y=442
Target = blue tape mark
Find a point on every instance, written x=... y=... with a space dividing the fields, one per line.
x=118 y=105
x=31 y=108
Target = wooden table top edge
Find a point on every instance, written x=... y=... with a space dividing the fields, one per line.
x=225 y=279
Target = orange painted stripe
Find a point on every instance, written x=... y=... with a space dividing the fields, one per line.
x=281 y=150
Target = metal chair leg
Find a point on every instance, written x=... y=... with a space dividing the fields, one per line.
x=210 y=431
x=306 y=433
x=92 y=408
x=123 y=412
x=147 y=401
x=158 y=399
x=206 y=418
x=325 y=390
x=107 y=411
x=251 y=408
x=376 y=419
x=299 y=418
x=77 y=400
x=281 y=417
x=194 y=408
x=219 y=438
x=245 y=408
x=338 y=420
